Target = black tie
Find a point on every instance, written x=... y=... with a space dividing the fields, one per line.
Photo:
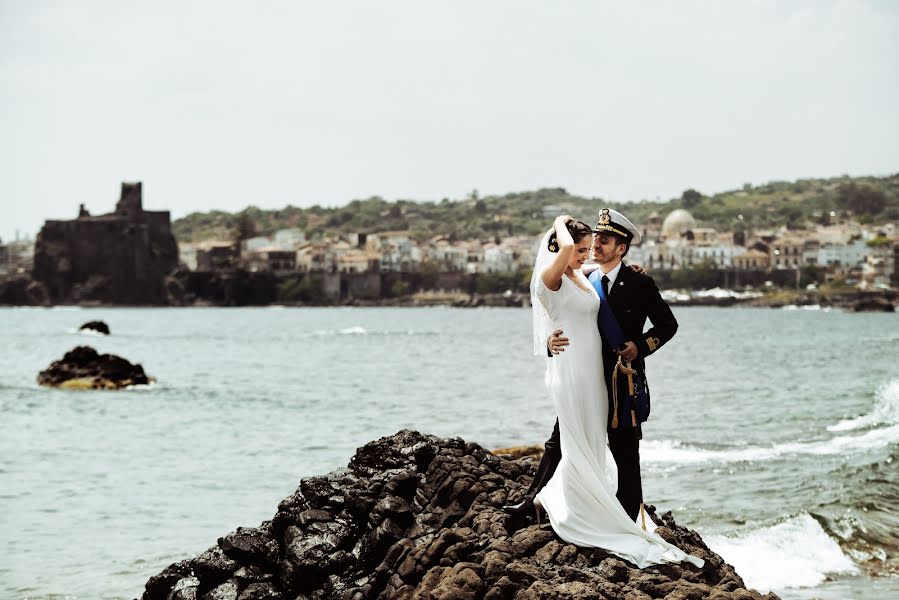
x=605 y=285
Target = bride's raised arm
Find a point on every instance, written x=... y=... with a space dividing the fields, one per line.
x=552 y=273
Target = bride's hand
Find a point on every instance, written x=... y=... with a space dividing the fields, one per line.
x=556 y=342
x=638 y=269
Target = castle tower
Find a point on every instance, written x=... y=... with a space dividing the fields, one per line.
x=130 y=204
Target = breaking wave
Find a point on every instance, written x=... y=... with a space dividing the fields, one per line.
x=881 y=423
x=667 y=451
x=886 y=410
x=794 y=553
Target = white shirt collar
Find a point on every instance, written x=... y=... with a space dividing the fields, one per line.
x=612 y=275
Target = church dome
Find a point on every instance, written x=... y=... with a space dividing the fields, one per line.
x=676 y=223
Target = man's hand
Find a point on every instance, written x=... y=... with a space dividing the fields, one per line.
x=629 y=354
x=556 y=342
x=638 y=269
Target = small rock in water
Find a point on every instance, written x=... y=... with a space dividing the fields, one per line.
x=98 y=326
x=84 y=368
x=414 y=516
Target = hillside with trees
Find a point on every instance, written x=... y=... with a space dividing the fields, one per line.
x=795 y=204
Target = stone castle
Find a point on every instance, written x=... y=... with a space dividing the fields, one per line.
x=121 y=257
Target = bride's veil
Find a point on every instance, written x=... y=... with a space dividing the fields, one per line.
x=542 y=324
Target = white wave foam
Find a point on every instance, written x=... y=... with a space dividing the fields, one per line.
x=357 y=330
x=88 y=332
x=805 y=307
x=140 y=387
x=667 y=451
x=886 y=410
x=795 y=553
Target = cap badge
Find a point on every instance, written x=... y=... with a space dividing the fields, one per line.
x=604 y=217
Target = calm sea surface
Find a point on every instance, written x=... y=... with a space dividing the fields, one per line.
x=775 y=433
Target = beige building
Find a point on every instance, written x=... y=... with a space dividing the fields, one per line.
x=271 y=258
x=752 y=260
x=787 y=252
x=316 y=256
x=356 y=260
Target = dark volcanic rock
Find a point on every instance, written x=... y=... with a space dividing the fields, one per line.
x=873 y=304
x=98 y=326
x=419 y=517
x=83 y=368
x=21 y=290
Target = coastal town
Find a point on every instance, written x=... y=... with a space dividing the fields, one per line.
x=866 y=256
x=131 y=256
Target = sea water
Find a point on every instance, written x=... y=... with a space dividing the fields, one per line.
x=774 y=433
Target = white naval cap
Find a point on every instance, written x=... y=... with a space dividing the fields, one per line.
x=612 y=221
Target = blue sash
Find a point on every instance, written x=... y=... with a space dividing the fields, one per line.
x=608 y=324
x=632 y=389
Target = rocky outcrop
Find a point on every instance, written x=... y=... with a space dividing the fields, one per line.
x=21 y=290
x=872 y=303
x=98 y=326
x=236 y=287
x=414 y=516
x=84 y=368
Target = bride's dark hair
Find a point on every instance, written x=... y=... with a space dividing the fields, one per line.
x=578 y=230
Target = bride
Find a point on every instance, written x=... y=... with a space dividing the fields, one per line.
x=580 y=498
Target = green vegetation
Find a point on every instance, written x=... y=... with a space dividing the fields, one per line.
x=244 y=227
x=795 y=204
x=496 y=283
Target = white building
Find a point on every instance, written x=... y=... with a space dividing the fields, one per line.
x=498 y=259
x=289 y=239
x=474 y=256
x=398 y=251
x=452 y=258
x=681 y=253
x=845 y=256
x=721 y=255
x=187 y=254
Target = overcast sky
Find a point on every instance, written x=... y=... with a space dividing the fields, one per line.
x=222 y=104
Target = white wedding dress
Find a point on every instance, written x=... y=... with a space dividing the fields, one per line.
x=580 y=498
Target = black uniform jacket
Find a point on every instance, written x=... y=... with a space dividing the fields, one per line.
x=634 y=298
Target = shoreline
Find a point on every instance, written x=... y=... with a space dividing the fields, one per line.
x=850 y=300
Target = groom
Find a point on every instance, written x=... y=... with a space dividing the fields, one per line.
x=633 y=297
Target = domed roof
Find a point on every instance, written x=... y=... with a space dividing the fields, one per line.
x=677 y=222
